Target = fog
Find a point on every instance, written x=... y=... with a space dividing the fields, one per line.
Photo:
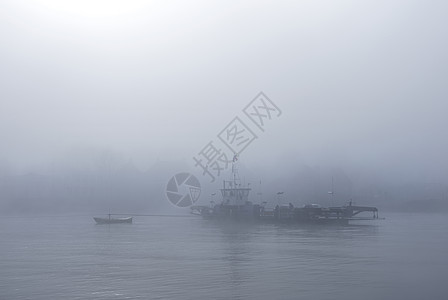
x=101 y=102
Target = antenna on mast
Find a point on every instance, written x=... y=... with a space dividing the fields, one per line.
x=234 y=169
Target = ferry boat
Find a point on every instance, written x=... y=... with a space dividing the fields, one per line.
x=235 y=205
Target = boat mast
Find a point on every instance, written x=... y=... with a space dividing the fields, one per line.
x=235 y=178
x=332 y=191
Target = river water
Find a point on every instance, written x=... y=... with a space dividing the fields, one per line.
x=404 y=256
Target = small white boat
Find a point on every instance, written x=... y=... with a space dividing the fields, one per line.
x=110 y=220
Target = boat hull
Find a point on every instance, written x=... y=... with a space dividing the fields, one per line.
x=112 y=220
x=287 y=214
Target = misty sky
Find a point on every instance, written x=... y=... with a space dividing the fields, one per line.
x=361 y=84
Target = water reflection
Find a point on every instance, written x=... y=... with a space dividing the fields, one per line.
x=183 y=258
